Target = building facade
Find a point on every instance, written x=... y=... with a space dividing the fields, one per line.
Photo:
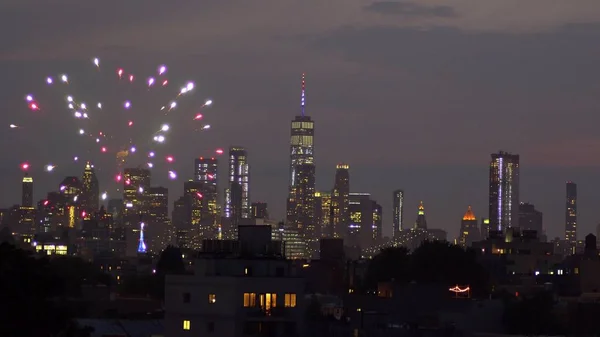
x=504 y=191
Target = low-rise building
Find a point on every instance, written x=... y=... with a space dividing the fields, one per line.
x=244 y=289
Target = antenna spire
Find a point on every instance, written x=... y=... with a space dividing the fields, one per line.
x=302 y=101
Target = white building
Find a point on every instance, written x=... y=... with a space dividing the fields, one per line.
x=247 y=291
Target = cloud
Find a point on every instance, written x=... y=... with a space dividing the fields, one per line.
x=410 y=9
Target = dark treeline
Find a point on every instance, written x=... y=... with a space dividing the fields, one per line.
x=433 y=262
x=37 y=293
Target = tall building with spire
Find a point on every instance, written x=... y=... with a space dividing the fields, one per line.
x=469 y=231
x=504 y=191
x=340 y=201
x=237 y=193
x=301 y=202
x=421 y=223
x=90 y=196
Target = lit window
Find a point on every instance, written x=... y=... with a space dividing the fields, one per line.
x=290 y=300
x=249 y=300
x=212 y=298
x=267 y=301
x=187 y=325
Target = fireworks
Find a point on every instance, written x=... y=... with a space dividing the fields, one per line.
x=102 y=115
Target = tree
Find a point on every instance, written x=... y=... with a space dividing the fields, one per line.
x=170 y=261
x=531 y=315
x=34 y=294
x=390 y=264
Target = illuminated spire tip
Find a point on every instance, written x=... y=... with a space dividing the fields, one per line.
x=302 y=99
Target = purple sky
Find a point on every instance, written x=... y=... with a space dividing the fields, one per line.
x=413 y=95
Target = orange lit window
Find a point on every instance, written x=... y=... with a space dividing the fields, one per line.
x=290 y=300
x=249 y=300
x=212 y=298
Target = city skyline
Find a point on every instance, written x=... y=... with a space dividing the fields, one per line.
x=446 y=110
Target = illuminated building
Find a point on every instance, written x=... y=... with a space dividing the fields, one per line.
x=90 y=192
x=27 y=211
x=340 y=201
x=206 y=174
x=136 y=184
x=485 y=228
x=115 y=208
x=237 y=194
x=504 y=190
x=398 y=207
x=259 y=210
x=27 y=191
x=530 y=218
x=571 y=214
x=469 y=232
x=200 y=220
x=51 y=248
x=365 y=225
x=158 y=231
x=181 y=222
x=71 y=188
x=300 y=204
x=421 y=222
x=234 y=294
x=323 y=214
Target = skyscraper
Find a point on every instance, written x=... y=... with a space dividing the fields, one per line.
x=340 y=201
x=323 y=214
x=206 y=174
x=300 y=203
x=237 y=194
x=90 y=196
x=571 y=214
x=504 y=191
x=27 y=191
x=158 y=231
x=469 y=230
x=136 y=185
x=259 y=210
x=530 y=218
x=421 y=222
x=398 y=212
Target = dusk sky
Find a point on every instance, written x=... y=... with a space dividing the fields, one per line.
x=412 y=95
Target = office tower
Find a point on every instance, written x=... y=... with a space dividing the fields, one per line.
x=398 y=206
x=323 y=214
x=158 y=230
x=571 y=214
x=259 y=210
x=90 y=194
x=205 y=169
x=340 y=201
x=136 y=184
x=484 y=229
x=377 y=232
x=300 y=203
x=530 y=218
x=27 y=191
x=504 y=191
x=181 y=222
x=237 y=194
x=469 y=231
x=421 y=223
x=27 y=211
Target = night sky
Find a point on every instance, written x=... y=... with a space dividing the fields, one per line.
x=413 y=95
